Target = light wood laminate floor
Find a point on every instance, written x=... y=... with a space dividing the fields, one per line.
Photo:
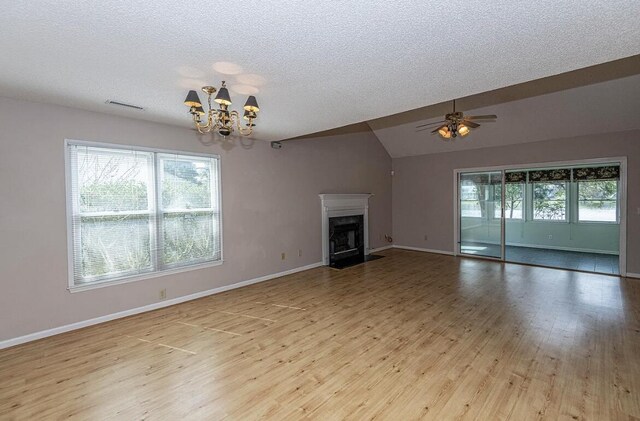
x=410 y=336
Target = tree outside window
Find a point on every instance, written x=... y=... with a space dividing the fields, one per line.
x=550 y=201
x=513 y=200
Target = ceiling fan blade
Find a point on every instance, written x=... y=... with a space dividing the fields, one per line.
x=470 y=124
x=436 y=130
x=429 y=124
x=481 y=117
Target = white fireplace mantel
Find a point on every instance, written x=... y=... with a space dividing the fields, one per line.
x=334 y=205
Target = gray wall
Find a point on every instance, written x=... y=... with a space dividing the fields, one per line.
x=423 y=186
x=270 y=205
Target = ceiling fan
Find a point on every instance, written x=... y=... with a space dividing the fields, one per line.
x=455 y=123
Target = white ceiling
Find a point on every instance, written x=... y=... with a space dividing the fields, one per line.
x=315 y=65
x=600 y=108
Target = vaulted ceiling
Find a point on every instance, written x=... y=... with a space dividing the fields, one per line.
x=312 y=65
x=594 y=100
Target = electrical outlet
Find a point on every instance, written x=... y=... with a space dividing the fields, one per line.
x=550 y=237
x=299 y=252
x=282 y=256
x=163 y=294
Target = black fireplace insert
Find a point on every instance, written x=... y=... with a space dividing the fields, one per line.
x=346 y=240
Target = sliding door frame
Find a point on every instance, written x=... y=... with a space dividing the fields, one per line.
x=622 y=160
x=458 y=214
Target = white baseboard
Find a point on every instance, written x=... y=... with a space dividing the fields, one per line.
x=448 y=253
x=78 y=325
x=632 y=275
x=380 y=249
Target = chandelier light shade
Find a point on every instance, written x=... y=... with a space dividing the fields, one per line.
x=223 y=97
x=221 y=120
x=192 y=100
x=463 y=130
x=251 y=104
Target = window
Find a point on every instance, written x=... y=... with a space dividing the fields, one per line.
x=136 y=212
x=513 y=201
x=598 y=201
x=550 y=201
x=470 y=199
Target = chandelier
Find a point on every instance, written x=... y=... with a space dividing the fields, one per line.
x=221 y=120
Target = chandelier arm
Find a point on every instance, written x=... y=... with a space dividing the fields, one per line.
x=233 y=118
x=205 y=128
x=226 y=123
x=220 y=116
x=210 y=115
x=202 y=128
x=244 y=132
x=218 y=121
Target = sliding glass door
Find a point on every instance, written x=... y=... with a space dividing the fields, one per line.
x=565 y=216
x=480 y=213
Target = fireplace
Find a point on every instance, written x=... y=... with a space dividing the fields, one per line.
x=346 y=240
x=345 y=228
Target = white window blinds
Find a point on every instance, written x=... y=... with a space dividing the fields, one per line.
x=135 y=212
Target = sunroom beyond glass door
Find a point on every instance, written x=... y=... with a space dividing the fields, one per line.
x=480 y=205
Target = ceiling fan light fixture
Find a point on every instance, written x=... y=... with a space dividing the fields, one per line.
x=455 y=123
x=444 y=132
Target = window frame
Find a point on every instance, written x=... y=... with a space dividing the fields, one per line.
x=161 y=270
x=577 y=203
x=567 y=201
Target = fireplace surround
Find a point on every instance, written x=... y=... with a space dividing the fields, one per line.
x=345 y=227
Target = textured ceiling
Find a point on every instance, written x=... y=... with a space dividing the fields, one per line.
x=604 y=107
x=314 y=65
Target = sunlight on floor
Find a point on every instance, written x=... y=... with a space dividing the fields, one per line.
x=472 y=249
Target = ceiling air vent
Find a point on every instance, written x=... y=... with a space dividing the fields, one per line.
x=122 y=104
